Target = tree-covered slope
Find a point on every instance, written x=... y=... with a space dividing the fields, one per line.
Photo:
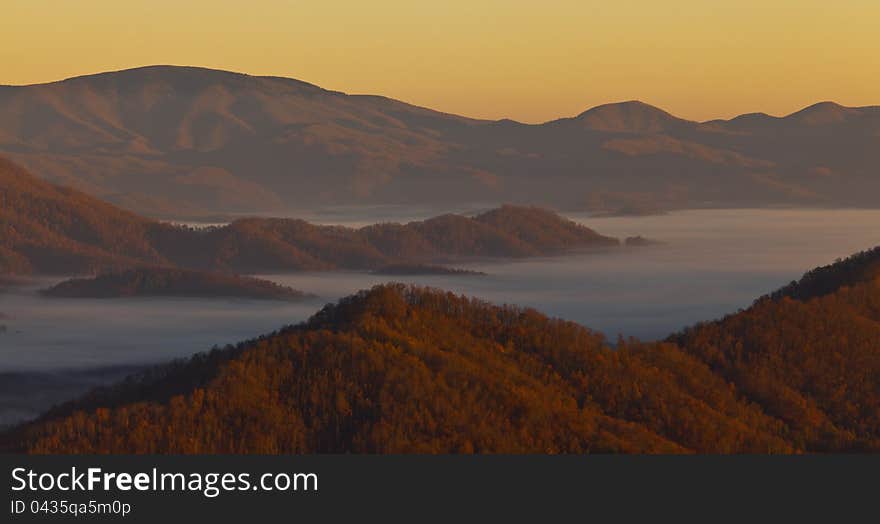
x=50 y=229
x=809 y=354
x=401 y=370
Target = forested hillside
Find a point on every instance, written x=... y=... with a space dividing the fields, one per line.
x=859 y=268
x=49 y=229
x=809 y=354
x=400 y=369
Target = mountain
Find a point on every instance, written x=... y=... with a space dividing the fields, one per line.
x=164 y=136
x=630 y=117
x=400 y=369
x=180 y=141
x=858 y=269
x=826 y=113
x=809 y=354
x=151 y=282
x=410 y=370
x=50 y=229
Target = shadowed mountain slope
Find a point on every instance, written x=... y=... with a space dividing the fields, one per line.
x=860 y=268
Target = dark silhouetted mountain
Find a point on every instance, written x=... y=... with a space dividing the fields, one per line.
x=858 y=269
x=182 y=141
x=148 y=282
x=48 y=229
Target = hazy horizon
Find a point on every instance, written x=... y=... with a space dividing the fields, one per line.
x=488 y=60
x=608 y=102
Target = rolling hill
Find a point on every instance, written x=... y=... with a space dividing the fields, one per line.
x=179 y=141
x=399 y=369
x=50 y=229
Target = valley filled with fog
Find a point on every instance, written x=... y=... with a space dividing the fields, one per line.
x=710 y=263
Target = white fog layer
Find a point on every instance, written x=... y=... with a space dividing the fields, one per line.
x=712 y=262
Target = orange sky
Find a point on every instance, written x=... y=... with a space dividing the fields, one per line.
x=527 y=60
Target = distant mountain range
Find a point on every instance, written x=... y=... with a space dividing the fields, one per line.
x=400 y=369
x=55 y=230
x=169 y=140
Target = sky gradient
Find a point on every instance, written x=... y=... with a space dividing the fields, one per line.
x=530 y=61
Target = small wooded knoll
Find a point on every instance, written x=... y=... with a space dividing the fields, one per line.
x=169 y=282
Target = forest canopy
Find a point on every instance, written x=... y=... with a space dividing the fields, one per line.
x=402 y=369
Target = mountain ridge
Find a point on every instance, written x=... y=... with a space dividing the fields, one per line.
x=235 y=74
x=203 y=141
x=56 y=230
